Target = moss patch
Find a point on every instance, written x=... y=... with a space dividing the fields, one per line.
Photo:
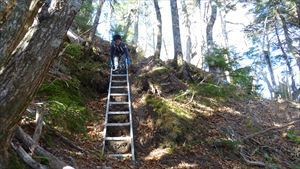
x=174 y=122
x=66 y=104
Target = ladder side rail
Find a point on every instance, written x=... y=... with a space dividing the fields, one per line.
x=107 y=110
x=130 y=114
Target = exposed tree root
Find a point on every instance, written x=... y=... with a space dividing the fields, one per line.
x=254 y=163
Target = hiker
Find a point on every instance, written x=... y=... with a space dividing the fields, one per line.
x=117 y=49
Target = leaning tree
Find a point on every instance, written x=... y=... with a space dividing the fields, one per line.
x=28 y=49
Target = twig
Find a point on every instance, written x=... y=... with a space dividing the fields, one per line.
x=192 y=98
x=269 y=129
x=38 y=129
x=66 y=140
x=255 y=163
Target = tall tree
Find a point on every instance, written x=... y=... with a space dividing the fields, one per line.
x=159 y=29
x=187 y=23
x=29 y=63
x=136 y=25
x=178 y=57
x=287 y=60
x=96 y=22
x=213 y=68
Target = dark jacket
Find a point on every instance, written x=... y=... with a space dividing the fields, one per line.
x=118 y=50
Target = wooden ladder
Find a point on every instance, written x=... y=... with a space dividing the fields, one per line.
x=118 y=128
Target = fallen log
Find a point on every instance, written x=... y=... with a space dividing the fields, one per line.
x=26 y=157
x=54 y=162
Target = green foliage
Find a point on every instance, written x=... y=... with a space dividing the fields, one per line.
x=212 y=90
x=67 y=110
x=294 y=136
x=119 y=29
x=74 y=50
x=242 y=78
x=83 y=18
x=217 y=58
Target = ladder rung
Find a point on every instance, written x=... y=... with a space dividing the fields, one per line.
x=118 y=102
x=120 y=155
x=117 y=138
x=118 y=81
x=119 y=75
x=118 y=94
x=117 y=124
x=118 y=112
x=118 y=87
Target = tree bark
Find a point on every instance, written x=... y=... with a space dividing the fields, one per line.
x=298 y=11
x=289 y=41
x=26 y=69
x=16 y=17
x=159 y=28
x=287 y=61
x=178 y=58
x=209 y=37
x=188 y=28
x=96 y=22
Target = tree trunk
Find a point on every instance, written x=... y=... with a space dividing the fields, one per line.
x=15 y=19
x=28 y=65
x=188 y=28
x=269 y=64
x=136 y=25
x=178 y=58
x=293 y=49
x=129 y=21
x=92 y=36
x=287 y=61
x=209 y=36
x=159 y=28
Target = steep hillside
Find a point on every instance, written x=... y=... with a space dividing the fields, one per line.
x=178 y=124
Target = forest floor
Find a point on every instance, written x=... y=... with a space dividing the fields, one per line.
x=180 y=125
